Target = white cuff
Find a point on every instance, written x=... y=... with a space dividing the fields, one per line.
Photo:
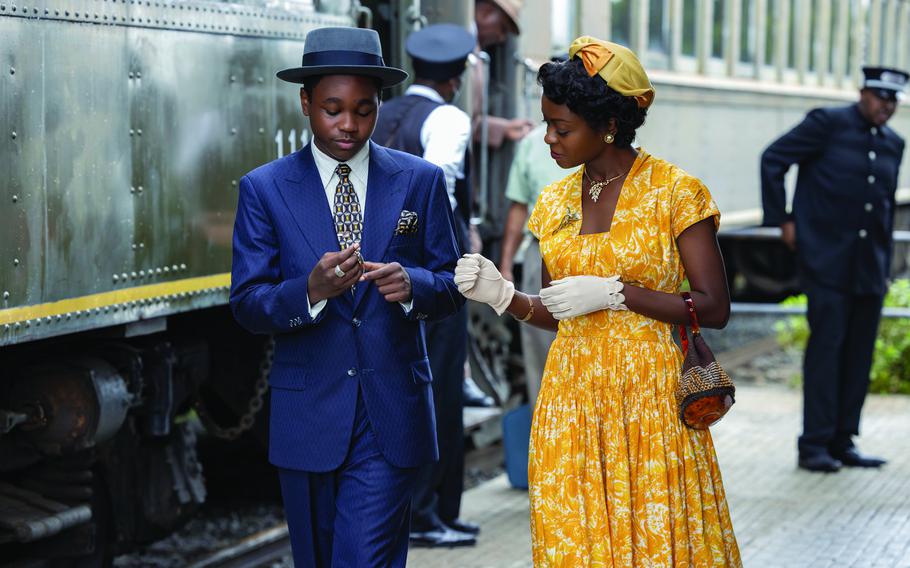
x=314 y=310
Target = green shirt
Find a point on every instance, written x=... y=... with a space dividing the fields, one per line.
x=532 y=169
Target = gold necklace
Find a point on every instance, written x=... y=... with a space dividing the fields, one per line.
x=595 y=187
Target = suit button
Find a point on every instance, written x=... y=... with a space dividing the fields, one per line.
x=871 y=179
x=868 y=207
x=356 y=322
x=872 y=155
x=873 y=130
x=862 y=233
x=352 y=372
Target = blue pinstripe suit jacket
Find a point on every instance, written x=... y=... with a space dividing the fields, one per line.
x=283 y=226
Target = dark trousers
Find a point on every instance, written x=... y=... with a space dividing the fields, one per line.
x=437 y=496
x=354 y=516
x=842 y=330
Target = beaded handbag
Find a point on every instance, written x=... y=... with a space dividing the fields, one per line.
x=705 y=392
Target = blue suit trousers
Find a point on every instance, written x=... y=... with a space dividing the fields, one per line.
x=354 y=516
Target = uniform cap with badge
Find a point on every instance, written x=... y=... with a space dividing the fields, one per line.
x=887 y=83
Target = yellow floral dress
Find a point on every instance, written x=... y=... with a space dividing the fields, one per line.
x=616 y=479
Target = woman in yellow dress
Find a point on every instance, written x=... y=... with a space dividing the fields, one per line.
x=616 y=479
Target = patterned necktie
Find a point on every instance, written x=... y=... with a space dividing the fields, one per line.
x=348 y=218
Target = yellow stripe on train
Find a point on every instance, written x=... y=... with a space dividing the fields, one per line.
x=114 y=297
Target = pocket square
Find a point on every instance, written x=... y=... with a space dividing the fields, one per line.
x=407 y=223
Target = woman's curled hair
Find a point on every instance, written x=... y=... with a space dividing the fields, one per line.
x=590 y=98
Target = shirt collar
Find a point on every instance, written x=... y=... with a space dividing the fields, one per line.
x=426 y=92
x=327 y=164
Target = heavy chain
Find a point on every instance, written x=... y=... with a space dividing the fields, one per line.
x=254 y=405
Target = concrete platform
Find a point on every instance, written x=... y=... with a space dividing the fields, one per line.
x=783 y=517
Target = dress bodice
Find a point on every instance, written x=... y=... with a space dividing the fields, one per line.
x=656 y=203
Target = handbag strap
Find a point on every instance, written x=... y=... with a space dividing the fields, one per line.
x=693 y=323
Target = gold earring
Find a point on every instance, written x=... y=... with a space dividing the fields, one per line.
x=608 y=138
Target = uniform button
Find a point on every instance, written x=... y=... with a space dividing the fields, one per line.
x=356 y=322
x=871 y=179
x=868 y=207
x=872 y=155
x=873 y=130
x=352 y=372
x=862 y=233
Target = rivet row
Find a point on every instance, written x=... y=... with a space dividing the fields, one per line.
x=97 y=311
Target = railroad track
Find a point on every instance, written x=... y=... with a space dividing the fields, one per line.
x=260 y=549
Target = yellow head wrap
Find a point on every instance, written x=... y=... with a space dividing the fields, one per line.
x=616 y=65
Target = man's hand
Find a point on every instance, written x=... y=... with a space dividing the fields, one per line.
x=788 y=234
x=324 y=282
x=391 y=280
x=518 y=128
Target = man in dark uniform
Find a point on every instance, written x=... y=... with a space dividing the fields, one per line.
x=841 y=227
x=424 y=123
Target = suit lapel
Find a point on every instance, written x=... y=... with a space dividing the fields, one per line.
x=386 y=192
x=304 y=195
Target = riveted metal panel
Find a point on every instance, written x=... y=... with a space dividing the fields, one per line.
x=134 y=123
x=23 y=234
x=87 y=159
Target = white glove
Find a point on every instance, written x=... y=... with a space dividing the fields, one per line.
x=575 y=296
x=478 y=279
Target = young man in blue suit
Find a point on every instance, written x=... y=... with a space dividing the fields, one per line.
x=342 y=250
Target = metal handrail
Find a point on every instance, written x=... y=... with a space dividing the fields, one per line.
x=484 y=135
x=779 y=310
x=773 y=234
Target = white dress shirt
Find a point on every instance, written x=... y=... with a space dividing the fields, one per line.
x=444 y=136
x=359 y=178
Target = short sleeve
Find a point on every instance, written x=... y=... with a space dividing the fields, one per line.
x=516 y=186
x=691 y=202
x=538 y=217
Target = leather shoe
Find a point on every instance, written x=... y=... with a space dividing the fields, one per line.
x=441 y=538
x=820 y=462
x=852 y=458
x=464 y=526
x=473 y=396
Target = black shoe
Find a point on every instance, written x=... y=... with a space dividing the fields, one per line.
x=473 y=396
x=852 y=458
x=820 y=462
x=441 y=538
x=464 y=526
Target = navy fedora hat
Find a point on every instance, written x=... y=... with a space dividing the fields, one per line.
x=343 y=51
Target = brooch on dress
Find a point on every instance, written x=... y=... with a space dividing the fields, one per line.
x=570 y=217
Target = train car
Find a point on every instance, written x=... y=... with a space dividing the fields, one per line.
x=126 y=127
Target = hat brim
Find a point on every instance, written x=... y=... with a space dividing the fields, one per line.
x=389 y=76
x=888 y=94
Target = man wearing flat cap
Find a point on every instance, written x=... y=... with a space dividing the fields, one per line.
x=840 y=226
x=343 y=251
x=423 y=122
x=496 y=20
